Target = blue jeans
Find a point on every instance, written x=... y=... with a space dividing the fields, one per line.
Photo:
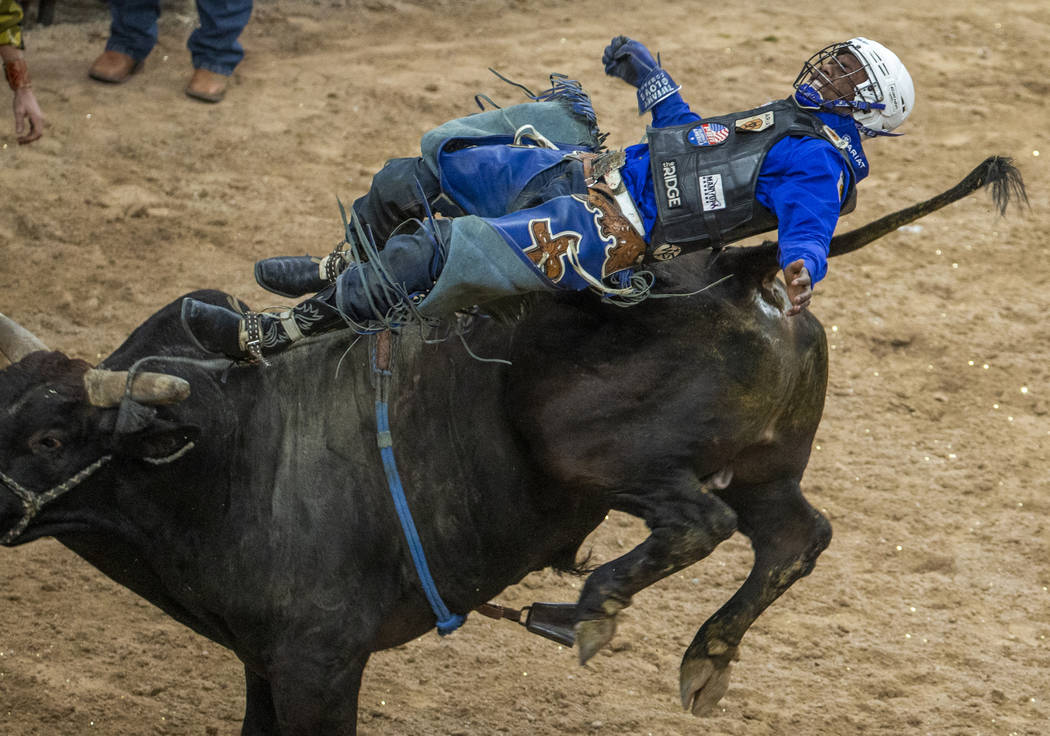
x=213 y=44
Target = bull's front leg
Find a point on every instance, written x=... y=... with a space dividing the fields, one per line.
x=314 y=685
x=260 y=718
x=686 y=520
x=787 y=535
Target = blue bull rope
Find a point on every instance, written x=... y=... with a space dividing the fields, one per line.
x=447 y=622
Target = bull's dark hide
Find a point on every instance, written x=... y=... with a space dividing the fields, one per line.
x=276 y=536
x=256 y=510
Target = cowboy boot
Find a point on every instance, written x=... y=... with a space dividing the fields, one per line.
x=257 y=335
x=295 y=276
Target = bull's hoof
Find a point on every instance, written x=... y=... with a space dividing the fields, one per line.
x=594 y=634
x=704 y=681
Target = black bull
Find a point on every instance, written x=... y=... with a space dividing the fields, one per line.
x=256 y=511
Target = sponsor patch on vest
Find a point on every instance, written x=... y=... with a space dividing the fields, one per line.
x=711 y=192
x=666 y=252
x=672 y=194
x=835 y=138
x=755 y=123
x=708 y=134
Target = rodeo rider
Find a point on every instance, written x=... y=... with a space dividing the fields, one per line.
x=527 y=205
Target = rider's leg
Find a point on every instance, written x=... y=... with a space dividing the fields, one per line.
x=397 y=194
x=364 y=293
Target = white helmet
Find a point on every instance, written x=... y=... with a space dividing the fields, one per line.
x=888 y=83
x=880 y=103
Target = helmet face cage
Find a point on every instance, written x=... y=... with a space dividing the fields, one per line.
x=820 y=84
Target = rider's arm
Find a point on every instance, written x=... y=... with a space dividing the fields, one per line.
x=803 y=181
x=632 y=62
x=673 y=110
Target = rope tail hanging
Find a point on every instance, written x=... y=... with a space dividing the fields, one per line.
x=447 y=622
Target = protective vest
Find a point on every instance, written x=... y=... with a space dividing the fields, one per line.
x=705 y=173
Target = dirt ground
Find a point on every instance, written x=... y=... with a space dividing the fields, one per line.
x=930 y=611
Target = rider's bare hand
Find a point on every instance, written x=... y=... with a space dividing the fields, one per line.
x=799 y=286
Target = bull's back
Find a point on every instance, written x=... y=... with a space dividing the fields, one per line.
x=613 y=397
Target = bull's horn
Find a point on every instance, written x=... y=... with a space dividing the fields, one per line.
x=16 y=342
x=106 y=388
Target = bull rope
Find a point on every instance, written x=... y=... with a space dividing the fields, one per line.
x=447 y=622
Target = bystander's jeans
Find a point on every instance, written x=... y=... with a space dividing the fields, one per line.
x=213 y=44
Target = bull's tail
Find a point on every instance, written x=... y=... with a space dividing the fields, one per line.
x=760 y=261
x=1005 y=179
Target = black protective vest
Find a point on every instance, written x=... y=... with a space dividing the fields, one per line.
x=705 y=194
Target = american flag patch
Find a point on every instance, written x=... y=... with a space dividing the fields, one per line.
x=708 y=134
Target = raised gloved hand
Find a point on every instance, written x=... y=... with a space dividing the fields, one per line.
x=629 y=60
x=632 y=62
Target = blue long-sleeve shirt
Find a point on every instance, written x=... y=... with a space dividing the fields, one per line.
x=801 y=181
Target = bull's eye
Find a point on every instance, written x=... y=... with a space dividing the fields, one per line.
x=45 y=441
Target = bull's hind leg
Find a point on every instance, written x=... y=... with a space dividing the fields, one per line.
x=787 y=535
x=686 y=521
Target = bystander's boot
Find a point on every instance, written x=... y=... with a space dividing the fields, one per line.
x=113 y=67
x=207 y=86
x=296 y=276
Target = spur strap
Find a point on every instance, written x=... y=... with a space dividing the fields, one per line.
x=253 y=336
x=333 y=265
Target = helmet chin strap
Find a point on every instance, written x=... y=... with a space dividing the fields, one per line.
x=871 y=133
x=808 y=97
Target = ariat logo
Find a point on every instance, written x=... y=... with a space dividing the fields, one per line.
x=854 y=153
x=711 y=195
x=671 y=191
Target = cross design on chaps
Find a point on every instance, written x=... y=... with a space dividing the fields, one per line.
x=548 y=251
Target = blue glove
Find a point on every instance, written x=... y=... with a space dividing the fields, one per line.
x=632 y=62
x=629 y=60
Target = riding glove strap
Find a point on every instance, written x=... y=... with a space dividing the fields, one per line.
x=656 y=86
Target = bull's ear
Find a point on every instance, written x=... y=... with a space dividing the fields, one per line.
x=158 y=442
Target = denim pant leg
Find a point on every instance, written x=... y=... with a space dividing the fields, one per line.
x=409 y=264
x=557 y=181
x=133 y=27
x=213 y=44
x=394 y=196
